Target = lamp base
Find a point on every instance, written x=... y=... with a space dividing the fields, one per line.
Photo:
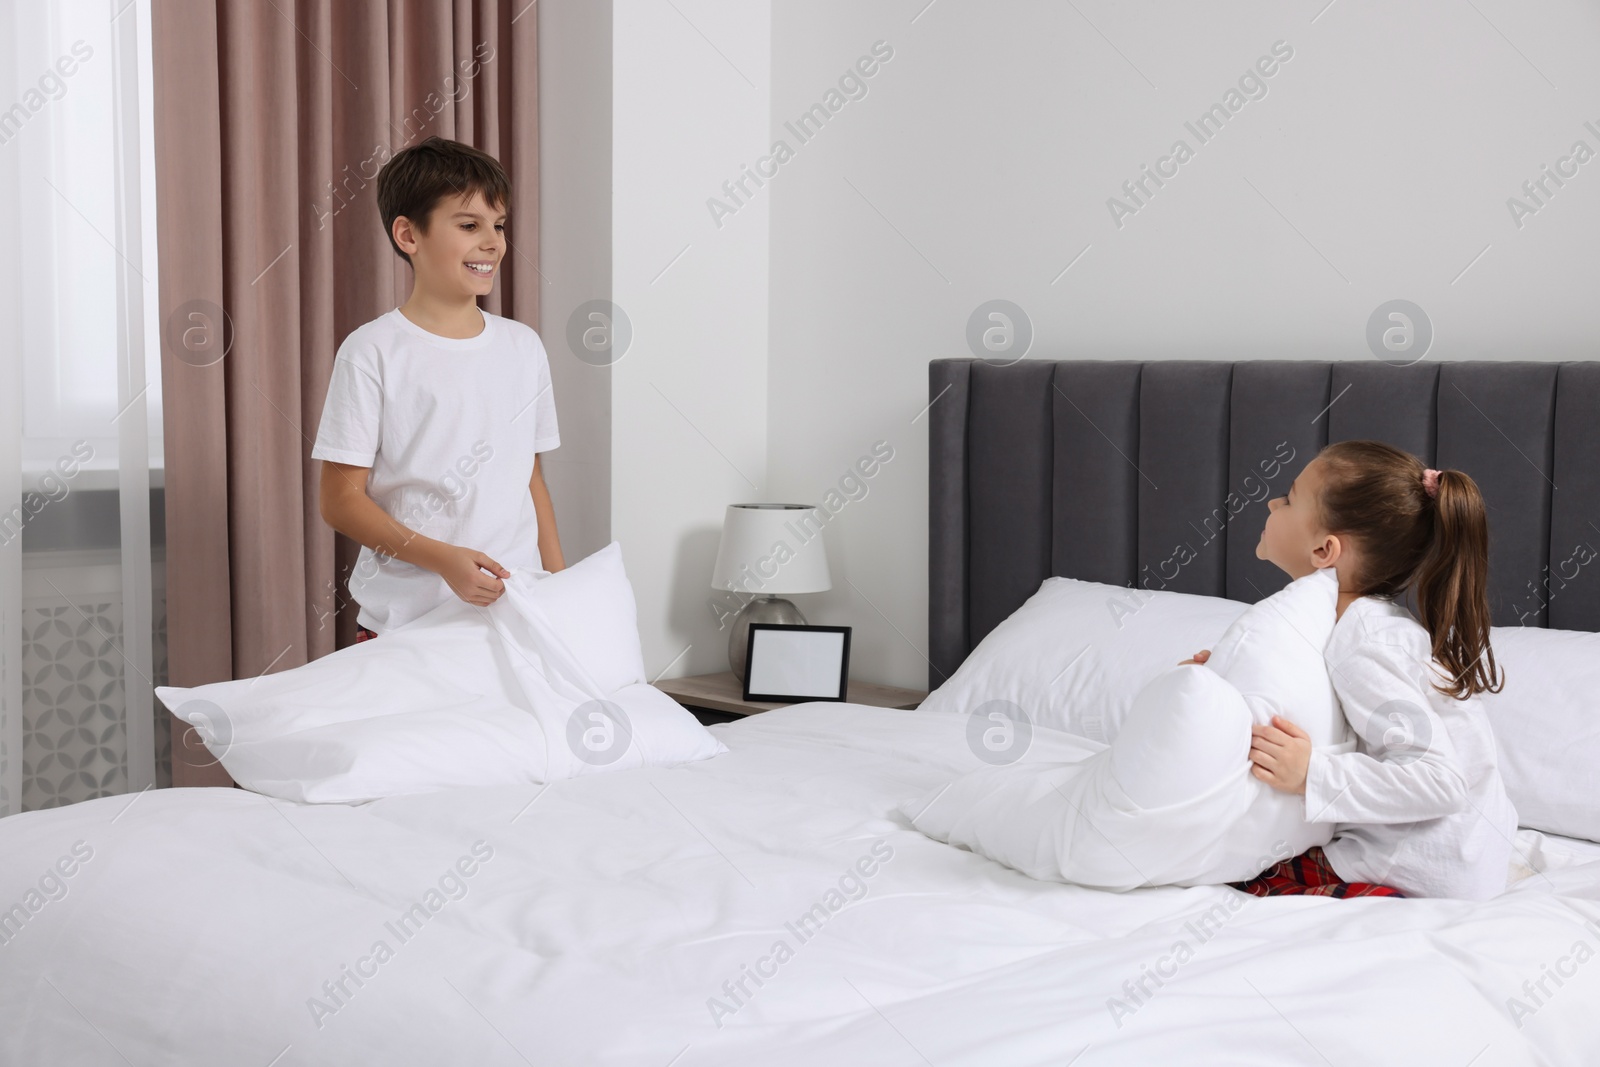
x=770 y=609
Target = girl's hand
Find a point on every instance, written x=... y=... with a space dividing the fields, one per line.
x=1281 y=753
x=1199 y=657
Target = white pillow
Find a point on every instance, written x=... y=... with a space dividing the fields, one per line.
x=1546 y=723
x=1074 y=656
x=480 y=740
x=250 y=724
x=1171 y=801
x=1273 y=655
x=597 y=620
x=546 y=683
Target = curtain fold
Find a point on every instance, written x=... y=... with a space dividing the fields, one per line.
x=271 y=123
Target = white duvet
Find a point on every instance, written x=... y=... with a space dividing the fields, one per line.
x=766 y=906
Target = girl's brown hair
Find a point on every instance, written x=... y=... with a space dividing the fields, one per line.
x=417 y=178
x=1435 y=546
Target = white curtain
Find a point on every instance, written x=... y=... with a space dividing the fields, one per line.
x=81 y=559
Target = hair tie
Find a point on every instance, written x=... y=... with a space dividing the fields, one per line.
x=1430 y=481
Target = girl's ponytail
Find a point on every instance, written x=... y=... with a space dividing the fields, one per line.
x=1423 y=530
x=1451 y=587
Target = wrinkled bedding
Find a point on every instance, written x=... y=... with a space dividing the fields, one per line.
x=768 y=905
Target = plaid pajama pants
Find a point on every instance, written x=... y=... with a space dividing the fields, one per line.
x=1310 y=873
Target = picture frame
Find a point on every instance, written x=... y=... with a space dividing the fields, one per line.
x=787 y=663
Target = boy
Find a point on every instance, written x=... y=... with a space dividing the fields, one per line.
x=437 y=410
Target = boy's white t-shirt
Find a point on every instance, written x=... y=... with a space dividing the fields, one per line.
x=450 y=427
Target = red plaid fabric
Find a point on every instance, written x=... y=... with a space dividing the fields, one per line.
x=364 y=634
x=1310 y=873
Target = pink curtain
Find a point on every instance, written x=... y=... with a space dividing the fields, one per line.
x=271 y=122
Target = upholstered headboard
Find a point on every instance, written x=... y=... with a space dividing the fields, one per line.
x=1136 y=473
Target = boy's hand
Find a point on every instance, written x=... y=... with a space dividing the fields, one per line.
x=1199 y=657
x=463 y=569
x=1281 y=753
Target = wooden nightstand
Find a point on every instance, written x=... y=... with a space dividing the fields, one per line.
x=720 y=697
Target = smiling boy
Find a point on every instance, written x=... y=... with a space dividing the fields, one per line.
x=437 y=410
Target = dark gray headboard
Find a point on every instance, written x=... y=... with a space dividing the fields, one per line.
x=1115 y=471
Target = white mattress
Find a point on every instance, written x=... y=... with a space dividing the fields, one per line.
x=615 y=906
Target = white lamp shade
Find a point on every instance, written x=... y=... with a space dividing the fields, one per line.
x=772 y=550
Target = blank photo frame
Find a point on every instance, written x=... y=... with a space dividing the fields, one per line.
x=796 y=663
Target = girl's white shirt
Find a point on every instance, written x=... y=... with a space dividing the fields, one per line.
x=1419 y=804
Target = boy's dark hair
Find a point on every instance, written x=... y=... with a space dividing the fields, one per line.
x=1436 y=546
x=414 y=181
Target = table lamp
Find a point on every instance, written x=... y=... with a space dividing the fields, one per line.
x=768 y=550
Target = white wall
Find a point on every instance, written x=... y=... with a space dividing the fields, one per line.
x=646 y=108
x=691 y=92
x=772 y=355
x=575 y=256
x=1377 y=166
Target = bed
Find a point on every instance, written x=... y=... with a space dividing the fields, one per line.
x=770 y=905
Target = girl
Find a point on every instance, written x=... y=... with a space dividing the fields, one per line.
x=1419 y=804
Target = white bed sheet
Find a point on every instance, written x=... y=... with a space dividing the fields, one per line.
x=614 y=907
